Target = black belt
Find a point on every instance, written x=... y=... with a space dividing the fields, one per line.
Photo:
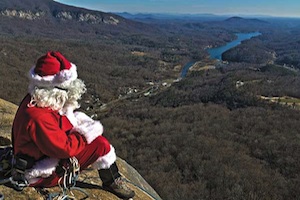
x=29 y=159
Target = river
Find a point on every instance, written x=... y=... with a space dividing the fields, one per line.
x=216 y=53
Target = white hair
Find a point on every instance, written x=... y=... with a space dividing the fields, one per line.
x=57 y=98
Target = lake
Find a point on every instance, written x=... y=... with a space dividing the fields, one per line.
x=216 y=53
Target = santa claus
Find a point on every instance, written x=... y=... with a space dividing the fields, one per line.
x=47 y=130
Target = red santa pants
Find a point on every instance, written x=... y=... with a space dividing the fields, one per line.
x=98 y=153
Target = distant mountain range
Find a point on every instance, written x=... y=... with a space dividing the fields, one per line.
x=47 y=18
x=183 y=17
x=163 y=16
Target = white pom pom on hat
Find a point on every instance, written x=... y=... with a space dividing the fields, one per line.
x=52 y=70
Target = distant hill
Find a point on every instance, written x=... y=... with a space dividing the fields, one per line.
x=244 y=20
x=241 y=24
x=47 y=17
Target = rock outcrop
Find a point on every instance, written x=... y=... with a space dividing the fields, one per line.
x=61 y=15
x=88 y=179
x=23 y=14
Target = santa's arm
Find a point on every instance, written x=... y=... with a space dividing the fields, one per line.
x=53 y=141
x=85 y=125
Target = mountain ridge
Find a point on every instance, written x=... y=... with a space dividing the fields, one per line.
x=235 y=19
x=48 y=18
x=49 y=8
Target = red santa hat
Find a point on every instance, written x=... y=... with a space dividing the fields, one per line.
x=52 y=70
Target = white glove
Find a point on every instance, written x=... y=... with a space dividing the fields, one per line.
x=87 y=127
x=82 y=117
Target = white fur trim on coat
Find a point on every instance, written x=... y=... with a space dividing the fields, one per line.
x=104 y=162
x=83 y=124
x=41 y=169
x=90 y=130
x=87 y=127
x=69 y=113
x=82 y=117
x=62 y=79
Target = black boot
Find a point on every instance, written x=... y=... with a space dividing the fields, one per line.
x=18 y=174
x=115 y=183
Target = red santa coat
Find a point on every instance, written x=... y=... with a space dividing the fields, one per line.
x=46 y=137
x=39 y=132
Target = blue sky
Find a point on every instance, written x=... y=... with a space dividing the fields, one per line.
x=286 y=8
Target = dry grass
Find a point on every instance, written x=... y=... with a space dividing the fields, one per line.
x=285 y=100
x=138 y=53
x=7 y=113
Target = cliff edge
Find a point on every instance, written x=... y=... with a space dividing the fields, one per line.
x=88 y=179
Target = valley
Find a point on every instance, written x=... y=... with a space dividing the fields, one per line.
x=222 y=130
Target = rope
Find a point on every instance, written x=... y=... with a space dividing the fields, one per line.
x=67 y=182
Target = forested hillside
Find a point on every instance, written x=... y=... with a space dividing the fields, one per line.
x=228 y=130
x=204 y=138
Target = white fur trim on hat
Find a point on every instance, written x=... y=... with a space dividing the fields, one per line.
x=62 y=79
x=42 y=169
x=104 y=162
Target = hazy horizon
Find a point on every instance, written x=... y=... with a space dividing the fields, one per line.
x=274 y=8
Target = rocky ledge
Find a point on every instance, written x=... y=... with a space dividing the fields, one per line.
x=86 y=17
x=23 y=14
x=63 y=16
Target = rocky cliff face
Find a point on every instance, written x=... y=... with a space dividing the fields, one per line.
x=91 y=184
x=43 y=9
x=29 y=15
x=86 y=17
x=88 y=179
x=61 y=15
